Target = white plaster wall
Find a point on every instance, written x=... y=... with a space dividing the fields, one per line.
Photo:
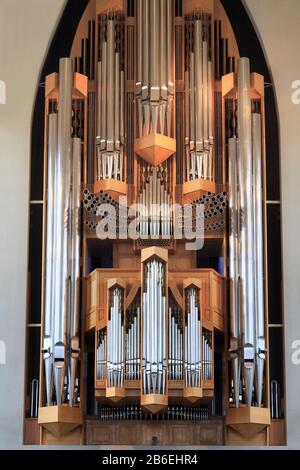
x=26 y=27
x=278 y=24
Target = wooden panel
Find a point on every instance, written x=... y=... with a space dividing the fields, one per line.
x=103 y=6
x=70 y=439
x=212 y=292
x=96 y=293
x=209 y=435
x=96 y=434
x=124 y=258
x=190 y=6
x=233 y=438
x=127 y=434
x=182 y=260
x=31 y=432
x=277 y=432
x=182 y=438
x=181 y=433
x=155 y=432
x=90 y=321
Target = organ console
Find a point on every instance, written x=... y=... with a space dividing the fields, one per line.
x=157 y=113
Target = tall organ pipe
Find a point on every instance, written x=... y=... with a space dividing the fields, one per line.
x=50 y=266
x=258 y=257
x=154 y=328
x=157 y=204
x=111 y=96
x=234 y=268
x=62 y=209
x=115 y=356
x=193 y=339
x=62 y=288
x=199 y=139
x=247 y=345
x=155 y=75
x=75 y=267
x=246 y=231
x=175 y=343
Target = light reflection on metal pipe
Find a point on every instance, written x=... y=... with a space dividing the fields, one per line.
x=154 y=328
x=199 y=139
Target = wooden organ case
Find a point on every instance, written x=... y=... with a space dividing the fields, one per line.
x=146 y=340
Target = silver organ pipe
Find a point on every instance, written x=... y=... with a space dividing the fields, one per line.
x=111 y=95
x=34 y=398
x=62 y=221
x=62 y=291
x=154 y=354
x=155 y=75
x=74 y=312
x=50 y=298
x=248 y=346
x=192 y=339
x=246 y=230
x=234 y=269
x=156 y=208
x=207 y=355
x=101 y=355
x=115 y=352
x=198 y=93
x=258 y=256
x=175 y=362
x=133 y=344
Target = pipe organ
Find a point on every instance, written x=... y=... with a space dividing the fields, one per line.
x=199 y=138
x=155 y=67
x=248 y=344
x=154 y=322
x=111 y=81
x=192 y=339
x=168 y=117
x=62 y=287
x=175 y=361
x=115 y=335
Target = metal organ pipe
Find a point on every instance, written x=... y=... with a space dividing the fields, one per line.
x=50 y=266
x=199 y=139
x=101 y=356
x=133 y=344
x=246 y=229
x=247 y=345
x=258 y=256
x=62 y=223
x=111 y=95
x=155 y=75
x=154 y=329
x=192 y=340
x=75 y=267
x=156 y=220
x=62 y=288
x=175 y=362
x=207 y=355
x=115 y=356
x=234 y=269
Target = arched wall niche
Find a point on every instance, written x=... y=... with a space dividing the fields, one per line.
x=242 y=42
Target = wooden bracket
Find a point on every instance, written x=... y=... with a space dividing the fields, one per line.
x=155 y=148
x=248 y=420
x=60 y=420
